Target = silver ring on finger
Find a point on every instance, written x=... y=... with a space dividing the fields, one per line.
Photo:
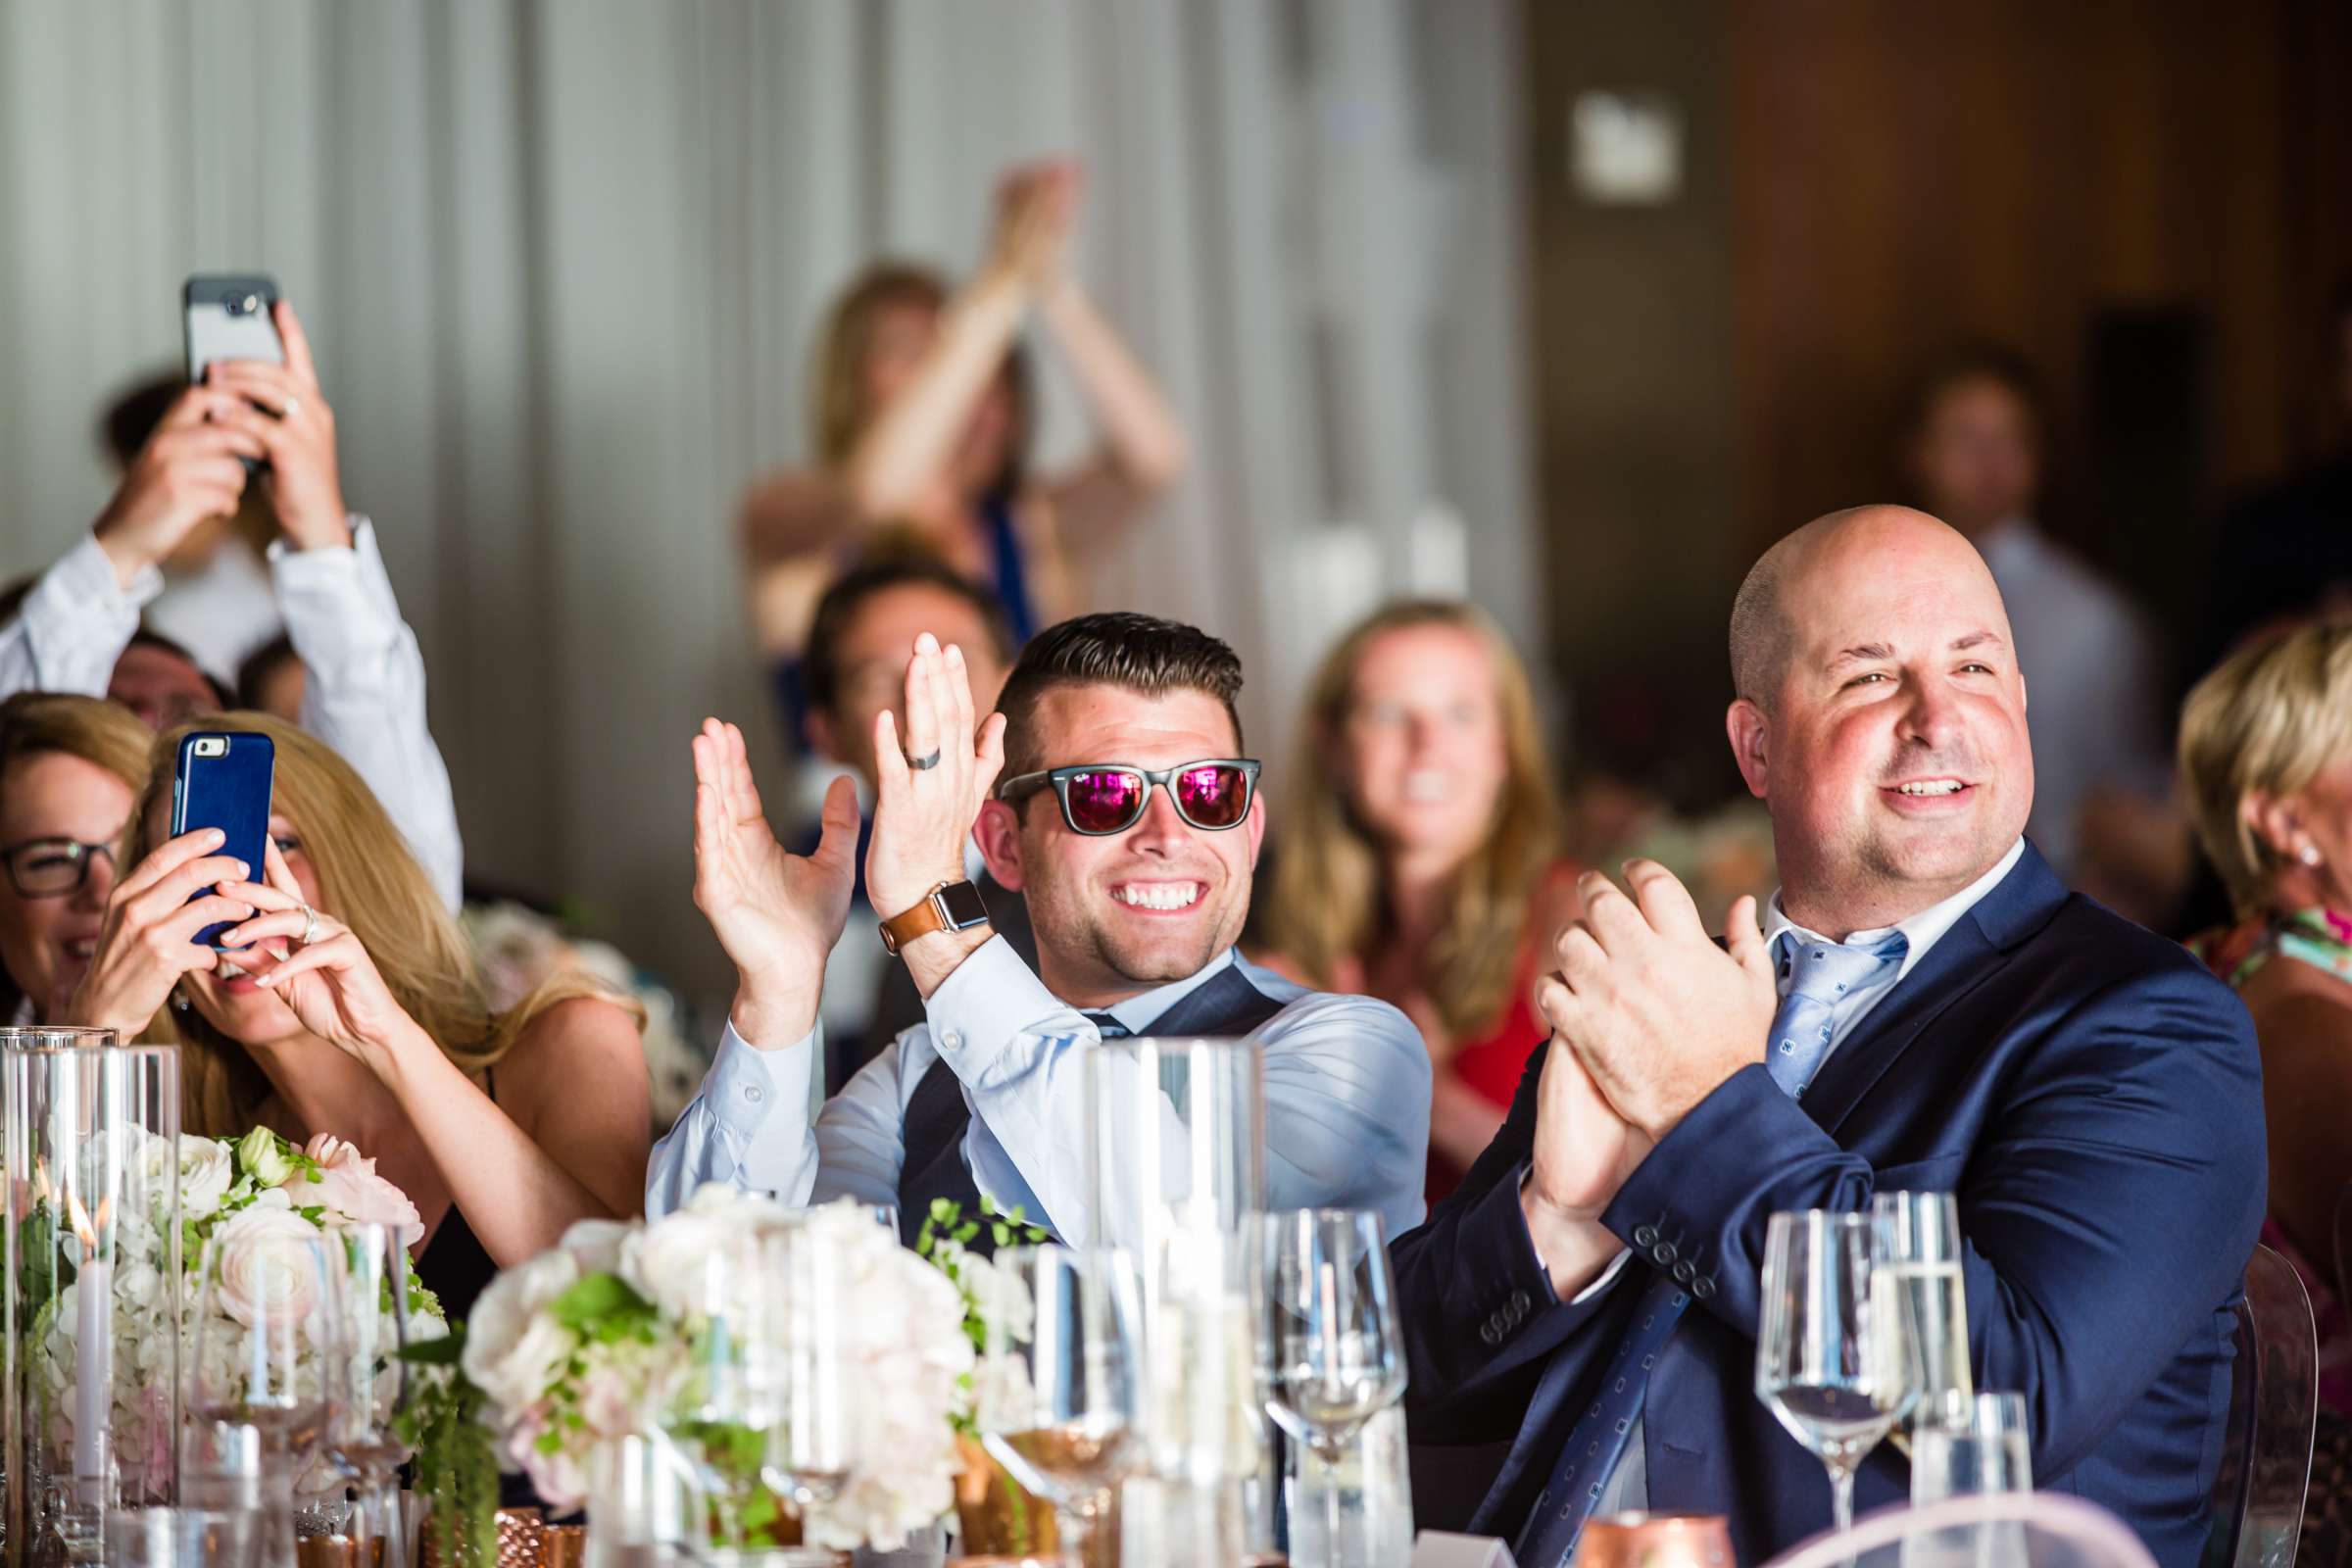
x=310 y=926
x=293 y=407
x=926 y=762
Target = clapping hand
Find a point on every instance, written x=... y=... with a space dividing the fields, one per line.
x=776 y=914
x=1656 y=1012
x=924 y=817
x=1037 y=208
x=304 y=481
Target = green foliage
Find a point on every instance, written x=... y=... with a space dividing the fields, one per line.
x=456 y=1461
x=942 y=1242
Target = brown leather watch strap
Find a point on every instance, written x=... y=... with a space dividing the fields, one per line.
x=930 y=915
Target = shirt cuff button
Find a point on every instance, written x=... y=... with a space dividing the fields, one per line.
x=752 y=1092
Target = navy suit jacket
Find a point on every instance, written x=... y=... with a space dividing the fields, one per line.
x=2090 y=1093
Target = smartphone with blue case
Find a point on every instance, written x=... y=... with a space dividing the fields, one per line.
x=221 y=778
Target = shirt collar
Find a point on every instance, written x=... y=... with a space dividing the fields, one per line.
x=1140 y=1011
x=1921 y=931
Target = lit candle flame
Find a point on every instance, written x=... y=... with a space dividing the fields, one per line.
x=85 y=1226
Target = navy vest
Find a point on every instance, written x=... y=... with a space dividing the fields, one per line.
x=1225 y=1008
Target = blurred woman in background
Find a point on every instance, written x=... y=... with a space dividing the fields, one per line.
x=2266 y=755
x=350 y=1003
x=1421 y=853
x=923 y=409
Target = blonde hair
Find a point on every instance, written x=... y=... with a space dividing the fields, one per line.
x=1327 y=900
x=106 y=735
x=370 y=881
x=102 y=733
x=837 y=406
x=2265 y=723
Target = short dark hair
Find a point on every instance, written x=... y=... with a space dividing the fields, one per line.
x=146 y=636
x=1142 y=654
x=259 y=665
x=821 y=667
x=131 y=417
x=1981 y=360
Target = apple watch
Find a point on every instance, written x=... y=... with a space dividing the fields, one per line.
x=949 y=907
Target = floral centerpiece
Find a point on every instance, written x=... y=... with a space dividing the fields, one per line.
x=246 y=1198
x=587 y=1345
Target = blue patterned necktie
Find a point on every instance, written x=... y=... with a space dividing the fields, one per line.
x=1821 y=974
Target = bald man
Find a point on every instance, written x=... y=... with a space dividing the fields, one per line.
x=1923 y=1005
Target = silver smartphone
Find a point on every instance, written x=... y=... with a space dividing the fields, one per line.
x=229 y=319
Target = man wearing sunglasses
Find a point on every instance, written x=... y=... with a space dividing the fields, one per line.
x=1128 y=816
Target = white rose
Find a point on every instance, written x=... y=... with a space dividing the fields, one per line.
x=265 y=1266
x=665 y=1261
x=206 y=1168
x=509 y=1338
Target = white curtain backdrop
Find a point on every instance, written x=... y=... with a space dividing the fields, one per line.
x=562 y=259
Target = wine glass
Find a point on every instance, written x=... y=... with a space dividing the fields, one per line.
x=268 y=1333
x=1915 y=1248
x=1059 y=1385
x=370 y=1382
x=1831 y=1361
x=1336 y=1355
x=726 y=1405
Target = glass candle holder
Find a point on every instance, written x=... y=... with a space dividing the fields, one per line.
x=92 y=1256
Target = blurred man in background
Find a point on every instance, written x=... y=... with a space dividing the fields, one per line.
x=1974 y=452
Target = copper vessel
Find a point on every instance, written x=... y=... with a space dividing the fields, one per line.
x=1655 y=1540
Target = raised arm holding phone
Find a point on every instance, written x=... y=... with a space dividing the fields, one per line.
x=251 y=423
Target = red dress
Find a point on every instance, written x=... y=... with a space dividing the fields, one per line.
x=1493 y=1063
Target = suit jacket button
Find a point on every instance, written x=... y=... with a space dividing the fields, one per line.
x=1663 y=1253
x=1645 y=1235
x=1490 y=1334
x=1703 y=1287
x=1519 y=1302
x=1683 y=1272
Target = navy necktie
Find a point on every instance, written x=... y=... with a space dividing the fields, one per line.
x=1106 y=1026
x=1821 y=974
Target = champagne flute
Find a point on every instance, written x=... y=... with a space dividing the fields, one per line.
x=268 y=1333
x=724 y=1409
x=1336 y=1351
x=370 y=1382
x=1060 y=1381
x=1915 y=1249
x=1832 y=1362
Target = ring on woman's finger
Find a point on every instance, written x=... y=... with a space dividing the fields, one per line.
x=293 y=407
x=924 y=763
x=310 y=926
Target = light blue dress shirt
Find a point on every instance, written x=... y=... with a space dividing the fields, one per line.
x=1346 y=1085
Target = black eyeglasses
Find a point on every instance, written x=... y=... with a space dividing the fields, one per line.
x=51 y=869
x=1100 y=798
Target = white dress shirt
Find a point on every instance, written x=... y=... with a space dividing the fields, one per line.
x=1346 y=1086
x=364 y=695
x=1629 y=1485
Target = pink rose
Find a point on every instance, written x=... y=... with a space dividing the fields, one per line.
x=348 y=1187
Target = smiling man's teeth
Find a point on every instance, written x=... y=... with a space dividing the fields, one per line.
x=1937 y=786
x=1158 y=895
